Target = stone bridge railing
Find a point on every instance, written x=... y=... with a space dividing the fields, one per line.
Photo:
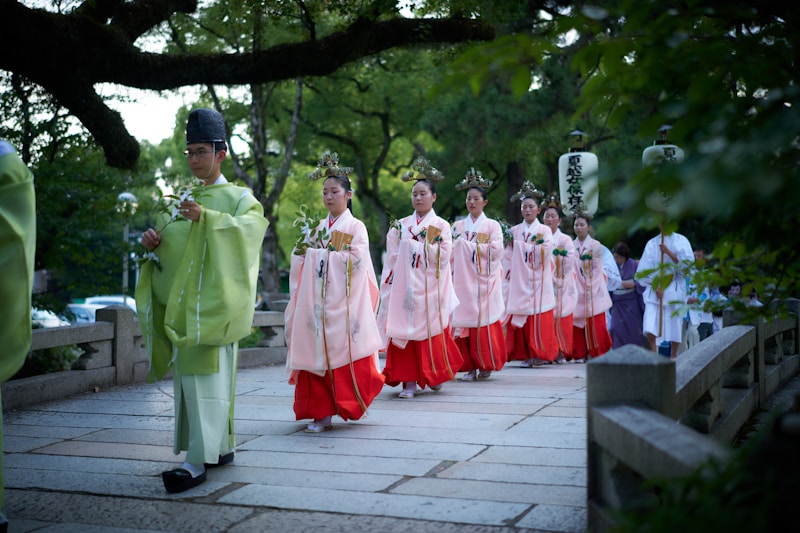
x=114 y=355
x=651 y=417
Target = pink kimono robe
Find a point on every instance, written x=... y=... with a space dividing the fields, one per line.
x=591 y=336
x=477 y=280
x=528 y=263
x=565 y=265
x=331 y=332
x=417 y=300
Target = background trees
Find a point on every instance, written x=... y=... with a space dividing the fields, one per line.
x=296 y=78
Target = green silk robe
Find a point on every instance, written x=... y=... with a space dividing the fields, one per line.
x=17 y=251
x=203 y=295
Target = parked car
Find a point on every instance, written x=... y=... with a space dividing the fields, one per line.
x=82 y=313
x=42 y=318
x=112 y=299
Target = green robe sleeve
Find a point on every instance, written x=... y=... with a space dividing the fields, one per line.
x=17 y=251
x=212 y=295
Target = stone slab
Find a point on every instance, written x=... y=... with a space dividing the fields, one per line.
x=12 y=444
x=352 y=502
x=501 y=491
x=547 y=475
x=336 y=463
x=118 y=512
x=374 y=448
x=553 y=424
x=531 y=455
x=79 y=420
x=304 y=478
x=555 y=518
x=122 y=450
x=57 y=465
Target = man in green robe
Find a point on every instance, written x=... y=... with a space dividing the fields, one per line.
x=195 y=300
x=17 y=251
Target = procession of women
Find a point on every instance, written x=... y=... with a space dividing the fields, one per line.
x=453 y=301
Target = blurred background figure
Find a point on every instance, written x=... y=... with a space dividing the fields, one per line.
x=627 y=304
x=17 y=251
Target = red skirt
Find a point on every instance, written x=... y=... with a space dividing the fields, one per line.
x=320 y=396
x=592 y=341
x=426 y=363
x=564 y=335
x=536 y=339
x=483 y=348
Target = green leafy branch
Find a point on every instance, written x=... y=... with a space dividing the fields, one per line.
x=311 y=235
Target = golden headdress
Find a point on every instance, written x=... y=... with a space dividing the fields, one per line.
x=528 y=190
x=581 y=211
x=328 y=165
x=473 y=179
x=424 y=171
x=553 y=201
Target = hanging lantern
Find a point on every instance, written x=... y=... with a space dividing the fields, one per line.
x=577 y=179
x=661 y=152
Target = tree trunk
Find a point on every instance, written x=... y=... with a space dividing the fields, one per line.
x=270 y=275
x=515 y=174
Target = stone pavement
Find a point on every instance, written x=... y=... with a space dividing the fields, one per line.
x=503 y=455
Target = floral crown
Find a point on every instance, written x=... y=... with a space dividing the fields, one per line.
x=528 y=190
x=328 y=165
x=424 y=172
x=473 y=179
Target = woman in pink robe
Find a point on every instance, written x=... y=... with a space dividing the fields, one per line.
x=416 y=290
x=477 y=280
x=528 y=264
x=331 y=332
x=591 y=336
x=564 y=280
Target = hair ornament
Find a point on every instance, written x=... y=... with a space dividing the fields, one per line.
x=581 y=211
x=328 y=165
x=472 y=179
x=553 y=201
x=424 y=171
x=528 y=190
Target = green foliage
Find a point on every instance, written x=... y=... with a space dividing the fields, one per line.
x=252 y=340
x=49 y=360
x=752 y=491
x=311 y=236
x=723 y=75
x=79 y=224
x=509 y=57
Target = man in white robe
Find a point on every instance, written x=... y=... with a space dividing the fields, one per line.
x=661 y=271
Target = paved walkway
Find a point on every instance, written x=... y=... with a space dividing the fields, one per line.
x=504 y=455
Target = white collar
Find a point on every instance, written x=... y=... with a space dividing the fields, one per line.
x=469 y=225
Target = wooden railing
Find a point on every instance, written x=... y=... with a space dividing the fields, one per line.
x=114 y=355
x=651 y=417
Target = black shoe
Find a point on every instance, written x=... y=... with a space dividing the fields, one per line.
x=222 y=461
x=3 y=524
x=180 y=479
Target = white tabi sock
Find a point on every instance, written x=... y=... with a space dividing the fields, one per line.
x=194 y=470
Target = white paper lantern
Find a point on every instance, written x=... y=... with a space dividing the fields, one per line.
x=577 y=179
x=661 y=152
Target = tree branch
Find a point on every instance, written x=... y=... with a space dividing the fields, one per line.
x=68 y=54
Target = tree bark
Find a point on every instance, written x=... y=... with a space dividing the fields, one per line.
x=515 y=173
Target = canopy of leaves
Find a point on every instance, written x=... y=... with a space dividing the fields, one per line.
x=723 y=75
x=56 y=45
